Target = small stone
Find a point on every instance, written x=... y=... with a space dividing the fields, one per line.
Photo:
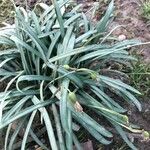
x=121 y=37
x=36 y=146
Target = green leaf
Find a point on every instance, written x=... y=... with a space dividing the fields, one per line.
x=85 y=36
x=15 y=108
x=36 y=22
x=13 y=137
x=93 y=132
x=124 y=136
x=107 y=100
x=53 y=44
x=58 y=127
x=91 y=122
x=36 y=139
x=25 y=112
x=59 y=17
x=17 y=40
x=69 y=139
x=7 y=136
x=8 y=51
x=126 y=93
x=12 y=80
x=72 y=19
x=102 y=24
x=76 y=142
x=27 y=130
x=5 y=61
x=48 y=124
x=75 y=52
x=63 y=105
x=119 y=83
x=32 y=78
x=72 y=77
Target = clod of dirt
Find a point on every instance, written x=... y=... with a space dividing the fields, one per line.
x=31 y=3
x=86 y=146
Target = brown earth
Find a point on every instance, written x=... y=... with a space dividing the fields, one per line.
x=129 y=13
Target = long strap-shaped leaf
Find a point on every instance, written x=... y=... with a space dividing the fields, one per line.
x=101 y=26
x=7 y=136
x=125 y=93
x=63 y=105
x=12 y=80
x=24 y=61
x=119 y=83
x=69 y=139
x=59 y=17
x=47 y=123
x=71 y=76
x=52 y=45
x=37 y=140
x=13 y=137
x=124 y=136
x=107 y=100
x=66 y=119
x=27 y=130
x=93 y=130
x=25 y=112
x=75 y=52
x=101 y=109
x=91 y=122
x=32 y=78
x=58 y=127
x=12 y=111
x=25 y=45
x=33 y=36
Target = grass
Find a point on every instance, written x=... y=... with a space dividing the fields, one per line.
x=6 y=12
x=48 y=79
x=140 y=77
x=146 y=9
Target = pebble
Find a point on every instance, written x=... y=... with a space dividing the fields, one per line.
x=121 y=37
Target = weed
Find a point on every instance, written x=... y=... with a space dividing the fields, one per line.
x=6 y=12
x=146 y=9
x=140 y=77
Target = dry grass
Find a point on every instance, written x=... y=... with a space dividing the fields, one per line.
x=6 y=12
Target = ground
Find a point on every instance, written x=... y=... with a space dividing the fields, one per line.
x=129 y=14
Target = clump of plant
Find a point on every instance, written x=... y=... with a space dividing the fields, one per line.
x=50 y=80
x=146 y=9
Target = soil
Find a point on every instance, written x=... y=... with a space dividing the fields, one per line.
x=128 y=13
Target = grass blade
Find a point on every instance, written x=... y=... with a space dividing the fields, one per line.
x=47 y=123
x=27 y=130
